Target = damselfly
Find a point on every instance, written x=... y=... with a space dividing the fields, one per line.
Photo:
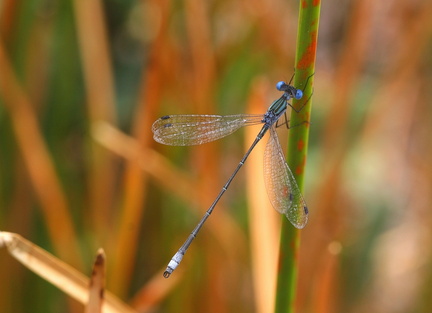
x=282 y=188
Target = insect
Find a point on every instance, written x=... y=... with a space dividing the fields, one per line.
x=282 y=188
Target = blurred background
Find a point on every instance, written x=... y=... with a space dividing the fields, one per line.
x=81 y=83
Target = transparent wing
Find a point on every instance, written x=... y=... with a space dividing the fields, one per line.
x=282 y=188
x=187 y=130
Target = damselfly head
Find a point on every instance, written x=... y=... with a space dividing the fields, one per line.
x=281 y=86
x=291 y=92
x=299 y=94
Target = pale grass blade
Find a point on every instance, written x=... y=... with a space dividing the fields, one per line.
x=58 y=273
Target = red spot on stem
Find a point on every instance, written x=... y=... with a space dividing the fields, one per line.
x=315 y=3
x=300 y=168
x=300 y=145
x=308 y=56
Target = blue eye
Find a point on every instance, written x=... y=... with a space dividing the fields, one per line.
x=299 y=94
x=280 y=85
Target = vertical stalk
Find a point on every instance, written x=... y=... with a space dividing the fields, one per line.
x=297 y=148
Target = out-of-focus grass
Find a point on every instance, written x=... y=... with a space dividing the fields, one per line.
x=368 y=183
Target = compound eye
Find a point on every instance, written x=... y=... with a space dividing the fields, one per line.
x=280 y=86
x=299 y=94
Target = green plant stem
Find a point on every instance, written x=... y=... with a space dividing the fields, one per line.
x=297 y=149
